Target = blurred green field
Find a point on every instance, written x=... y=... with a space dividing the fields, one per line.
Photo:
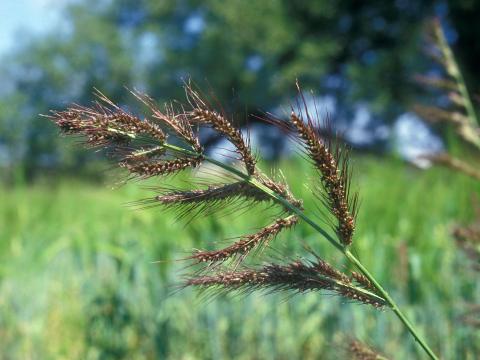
x=78 y=278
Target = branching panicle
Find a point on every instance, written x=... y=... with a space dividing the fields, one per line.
x=140 y=144
x=143 y=148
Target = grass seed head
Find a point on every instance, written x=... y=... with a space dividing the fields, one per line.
x=246 y=243
x=298 y=276
x=203 y=114
x=175 y=121
x=334 y=177
x=103 y=126
x=146 y=169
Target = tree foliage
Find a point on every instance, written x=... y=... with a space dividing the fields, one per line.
x=248 y=52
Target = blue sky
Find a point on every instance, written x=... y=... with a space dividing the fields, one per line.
x=20 y=16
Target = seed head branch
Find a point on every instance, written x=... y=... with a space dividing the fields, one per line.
x=246 y=243
x=203 y=114
x=103 y=126
x=334 y=176
x=140 y=144
x=191 y=203
x=460 y=112
x=171 y=119
x=146 y=169
x=298 y=276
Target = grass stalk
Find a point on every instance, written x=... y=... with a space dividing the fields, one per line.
x=454 y=70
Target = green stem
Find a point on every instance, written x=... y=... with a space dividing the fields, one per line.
x=392 y=303
x=344 y=250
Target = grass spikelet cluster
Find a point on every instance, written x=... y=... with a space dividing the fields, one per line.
x=298 y=276
x=203 y=114
x=213 y=193
x=105 y=124
x=137 y=143
x=176 y=121
x=334 y=177
x=246 y=243
x=332 y=162
x=146 y=169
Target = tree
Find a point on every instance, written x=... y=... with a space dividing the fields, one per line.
x=248 y=52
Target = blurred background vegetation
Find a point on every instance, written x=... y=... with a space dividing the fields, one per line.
x=77 y=278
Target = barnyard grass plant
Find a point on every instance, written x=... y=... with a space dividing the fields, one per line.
x=167 y=143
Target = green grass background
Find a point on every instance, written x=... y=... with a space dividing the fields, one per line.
x=78 y=278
